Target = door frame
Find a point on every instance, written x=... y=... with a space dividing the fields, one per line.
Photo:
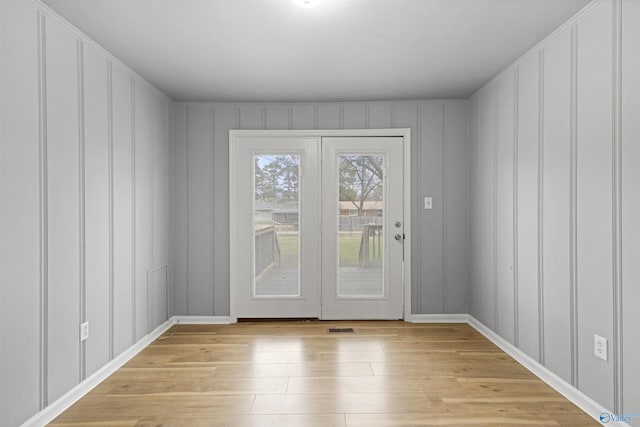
x=235 y=135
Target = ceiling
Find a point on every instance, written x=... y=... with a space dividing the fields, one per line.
x=355 y=50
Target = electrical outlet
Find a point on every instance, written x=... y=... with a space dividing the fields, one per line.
x=600 y=347
x=84 y=331
x=428 y=202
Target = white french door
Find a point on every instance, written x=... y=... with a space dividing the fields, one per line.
x=317 y=226
x=362 y=253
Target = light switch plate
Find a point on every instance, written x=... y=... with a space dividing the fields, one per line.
x=428 y=202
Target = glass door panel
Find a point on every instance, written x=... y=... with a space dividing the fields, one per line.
x=360 y=222
x=276 y=225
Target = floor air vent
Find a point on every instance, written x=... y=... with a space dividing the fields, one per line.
x=339 y=330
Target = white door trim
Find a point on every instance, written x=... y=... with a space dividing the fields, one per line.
x=234 y=135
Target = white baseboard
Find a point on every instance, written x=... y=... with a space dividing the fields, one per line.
x=439 y=318
x=203 y=320
x=584 y=402
x=47 y=415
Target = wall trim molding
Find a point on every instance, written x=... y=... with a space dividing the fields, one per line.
x=43 y=216
x=618 y=349
x=134 y=314
x=202 y=320
x=47 y=415
x=445 y=201
x=82 y=241
x=540 y=195
x=573 y=208
x=439 y=318
x=111 y=204
x=582 y=401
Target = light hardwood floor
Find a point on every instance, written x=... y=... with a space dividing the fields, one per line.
x=296 y=374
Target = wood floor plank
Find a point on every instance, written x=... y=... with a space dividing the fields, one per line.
x=336 y=403
x=406 y=420
x=354 y=385
x=261 y=420
x=297 y=374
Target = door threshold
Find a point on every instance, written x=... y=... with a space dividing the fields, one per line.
x=277 y=319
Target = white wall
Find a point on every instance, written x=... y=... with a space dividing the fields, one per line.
x=200 y=193
x=555 y=201
x=84 y=160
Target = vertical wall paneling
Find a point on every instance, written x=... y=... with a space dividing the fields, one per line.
x=110 y=195
x=456 y=232
x=200 y=216
x=81 y=194
x=277 y=117
x=516 y=115
x=224 y=119
x=617 y=206
x=528 y=225
x=195 y=124
x=354 y=116
x=251 y=116
x=302 y=116
x=67 y=206
x=160 y=208
x=43 y=211
x=143 y=215
x=494 y=189
x=617 y=348
x=505 y=206
x=212 y=202
x=482 y=188
x=556 y=256
x=573 y=191
x=540 y=206
x=122 y=210
x=575 y=186
x=22 y=212
x=630 y=209
x=594 y=221
x=97 y=207
x=445 y=205
x=63 y=209
x=329 y=116
x=179 y=201
x=407 y=116
x=431 y=249
x=380 y=116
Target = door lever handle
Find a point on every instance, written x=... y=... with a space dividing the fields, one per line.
x=399 y=237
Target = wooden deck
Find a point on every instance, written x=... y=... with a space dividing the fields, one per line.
x=354 y=281
x=295 y=374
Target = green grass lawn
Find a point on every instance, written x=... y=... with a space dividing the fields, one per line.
x=349 y=249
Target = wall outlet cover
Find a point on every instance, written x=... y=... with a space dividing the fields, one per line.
x=600 y=347
x=84 y=331
x=428 y=202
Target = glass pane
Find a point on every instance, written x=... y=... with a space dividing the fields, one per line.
x=360 y=219
x=276 y=225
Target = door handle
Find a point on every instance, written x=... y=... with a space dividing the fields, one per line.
x=399 y=237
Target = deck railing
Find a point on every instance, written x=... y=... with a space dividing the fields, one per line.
x=370 y=245
x=267 y=249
